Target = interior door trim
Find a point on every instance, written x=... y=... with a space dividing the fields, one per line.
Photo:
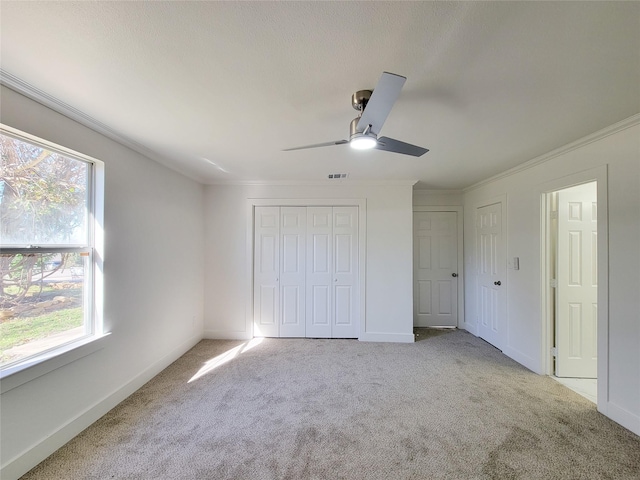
x=251 y=203
x=599 y=175
x=459 y=209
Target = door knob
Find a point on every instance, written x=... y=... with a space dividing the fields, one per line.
x=454 y=275
x=497 y=283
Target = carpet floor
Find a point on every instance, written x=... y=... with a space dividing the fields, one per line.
x=449 y=406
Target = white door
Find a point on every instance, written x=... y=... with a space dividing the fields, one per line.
x=435 y=269
x=293 y=224
x=332 y=272
x=319 y=271
x=345 y=272
x=577 y=290
x=266 y=288
x=306 y=275
x=491 y=274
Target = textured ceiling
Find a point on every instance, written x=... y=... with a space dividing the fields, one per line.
x=218 y=89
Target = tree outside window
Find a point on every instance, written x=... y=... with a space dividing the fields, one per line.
x=46 y=253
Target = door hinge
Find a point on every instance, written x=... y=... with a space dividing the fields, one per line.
x=553 y=283
x=554 y=351
x=554 y=214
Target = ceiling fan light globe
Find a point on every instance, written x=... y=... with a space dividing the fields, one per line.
x=363 y=142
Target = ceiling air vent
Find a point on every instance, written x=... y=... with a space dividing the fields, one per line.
x=337 y=176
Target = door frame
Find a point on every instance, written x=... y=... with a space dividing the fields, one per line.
x=458 y=209
x=251 y=203
x=598 y=175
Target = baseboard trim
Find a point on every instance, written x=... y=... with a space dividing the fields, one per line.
x=226 y=335
x=367 y=337
x=523 y=360
x=469 y=327
x=622 y=416
x=388 y=337
x=25 y=461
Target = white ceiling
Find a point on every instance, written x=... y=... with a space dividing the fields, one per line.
x=217 y=89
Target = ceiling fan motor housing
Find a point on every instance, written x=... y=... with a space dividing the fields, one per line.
x=360 y=99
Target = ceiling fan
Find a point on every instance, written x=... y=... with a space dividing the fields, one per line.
x=374 y=107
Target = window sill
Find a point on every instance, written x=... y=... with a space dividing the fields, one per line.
x=35 y=367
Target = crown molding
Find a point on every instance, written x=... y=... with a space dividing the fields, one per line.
x=321 y=183
x=23 y=88
x=433 y=191
x=594 y=137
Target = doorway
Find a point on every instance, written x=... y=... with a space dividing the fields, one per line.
x=437 y=267
x=572 y=217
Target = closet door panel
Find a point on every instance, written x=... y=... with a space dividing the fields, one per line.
x=319 y=272
x=345 y=272
x=266 y=290
x=293 y=225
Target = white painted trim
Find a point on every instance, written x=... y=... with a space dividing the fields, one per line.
x=388 y=337
x=471 y=328
x=622 y=416
x=438 y=208
x=459 y=210
x=226 y=335
x=594 y=137
x=26 y=460
x=599 y=175
x=522 y=359
x=361 y=203
x=23 y=88
x=322 y=183
x=46 y=144
x=35 y=367
x=431 y=191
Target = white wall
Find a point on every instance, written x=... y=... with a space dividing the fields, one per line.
x=153 y=291
x=388 y=278
x=616 y=151
x=437 y=198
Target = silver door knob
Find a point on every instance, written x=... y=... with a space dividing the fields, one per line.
x=454 y=275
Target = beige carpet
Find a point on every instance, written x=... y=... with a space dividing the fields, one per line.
x=449 y=406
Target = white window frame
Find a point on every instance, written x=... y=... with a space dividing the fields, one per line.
x=22 y=371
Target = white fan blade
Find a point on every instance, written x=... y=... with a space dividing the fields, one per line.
x=382 y=99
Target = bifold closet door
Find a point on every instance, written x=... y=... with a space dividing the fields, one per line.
x=279 y=271
x=332 y=272
x=293 y=225
x=266 y=286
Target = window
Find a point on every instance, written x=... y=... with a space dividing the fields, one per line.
x=50 y=222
